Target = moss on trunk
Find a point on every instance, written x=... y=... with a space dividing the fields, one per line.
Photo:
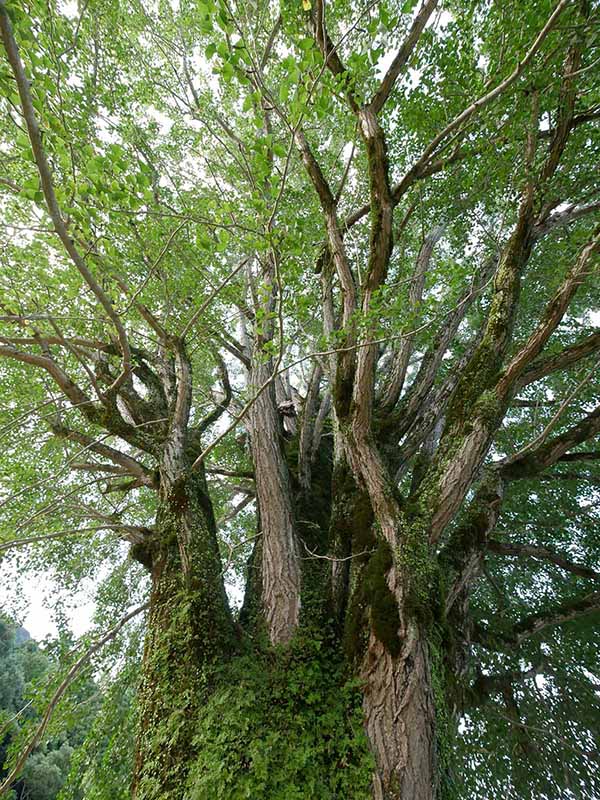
x=190 y=633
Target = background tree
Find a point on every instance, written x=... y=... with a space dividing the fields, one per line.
x=337 y=265
x=24 y=668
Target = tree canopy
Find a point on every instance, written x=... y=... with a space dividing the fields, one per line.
x=300 y=301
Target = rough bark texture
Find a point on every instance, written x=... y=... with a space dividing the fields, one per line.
x=400 y=719
x=396 y=671
x=279 y=548
x=381 y=566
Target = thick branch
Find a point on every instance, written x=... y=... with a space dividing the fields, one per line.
x=566 y=612
x=131 y=533
x=465 y=548
x=487 y=685
x=70 y=389
x=530 y=462
x=564 y=217
x=329 y=52
x=566 y=358
x=529 y=626
x=555 y=310
x=183 y=395
x=131 y=465
x=584 y=455
x=542 y=553
x=307 y=425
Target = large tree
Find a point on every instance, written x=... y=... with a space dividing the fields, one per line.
x=313 y=285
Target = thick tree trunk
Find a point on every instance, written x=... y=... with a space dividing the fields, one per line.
x=189 y=631
x=400 y=718
x=389 y=645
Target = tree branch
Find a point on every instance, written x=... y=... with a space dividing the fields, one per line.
x=484 y=100
x=543 y=367
x=555 y=310
x=134 y=534
x=584 y=455
x=530 y=462
x=541 y=553
x=222 y=407
x=566 y=612
x=403 y=55
x=529 y=626
x=404 y=350
x=131 y=465
x=49 y=195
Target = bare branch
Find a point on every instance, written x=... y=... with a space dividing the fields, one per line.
x=566 y=358
x=312 y=554
x=568 y=611
x=530 y=462
x=222 y=407
x=245 y=501
x=132 y=533
x=554 y=313
x=229 y=473
x=131 y=465
x=415 y=293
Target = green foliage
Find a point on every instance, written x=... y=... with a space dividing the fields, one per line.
x=101 y=767
x=559 y=707
x=46 y=770
x=171 y=145
x=283 y=726
x=25 y=668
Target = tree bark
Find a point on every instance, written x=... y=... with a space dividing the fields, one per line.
x=280 y=569
x=400 y=718
x=389 y=647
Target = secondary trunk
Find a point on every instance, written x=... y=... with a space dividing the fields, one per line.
x=389 y=647
x=279 y=548
x=400 y=718
x=189 y=632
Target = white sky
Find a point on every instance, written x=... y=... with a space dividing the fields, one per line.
x=29 y=601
